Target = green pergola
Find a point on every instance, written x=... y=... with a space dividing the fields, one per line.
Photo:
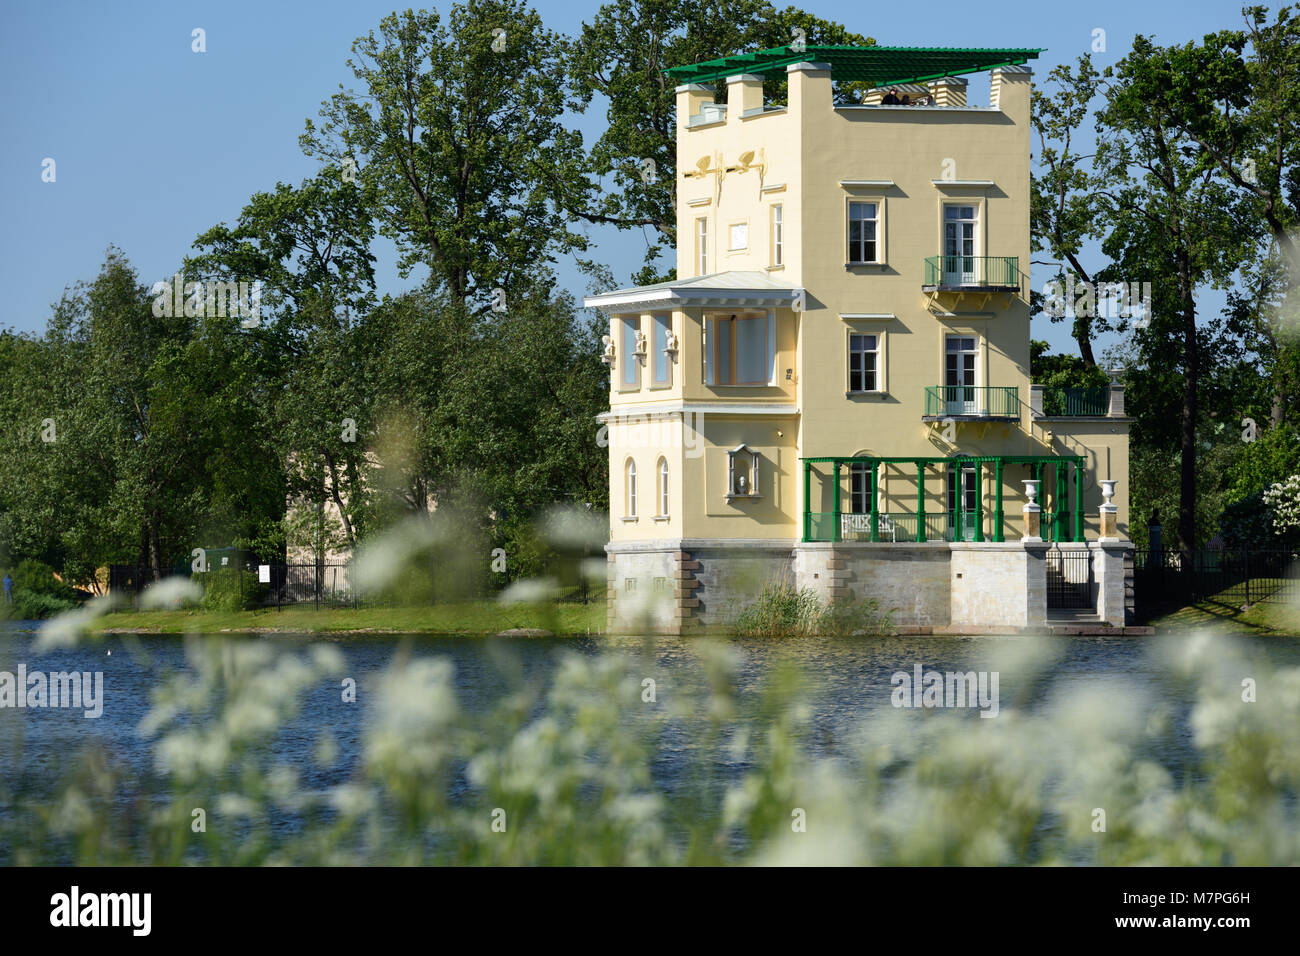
x=1060 y=524
x=874 y=65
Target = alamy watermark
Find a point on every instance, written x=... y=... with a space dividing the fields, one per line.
x=654 y=430
x=930 y=689
x=240 y=300
x=1113 y=300
x=76 y=690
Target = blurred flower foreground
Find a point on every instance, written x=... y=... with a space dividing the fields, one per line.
x=595 y=765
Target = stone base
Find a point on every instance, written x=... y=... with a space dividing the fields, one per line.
x=690 y=585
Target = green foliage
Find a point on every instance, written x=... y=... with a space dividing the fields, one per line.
x=37 y=606
x=1062 y=371
x=782 y=610
x=37 y=593
x=232 y=589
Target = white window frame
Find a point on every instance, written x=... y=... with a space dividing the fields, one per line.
x=663 y=488
x=777 y=219
x=877 y=370
x=713 y=332
x=627 y=356
x=629 y=490
x=731 y=235
x=878 y=219
x=702 y=245
x=660 y=359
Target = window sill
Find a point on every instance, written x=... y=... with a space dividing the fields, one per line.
x=743 y=497
x=873 y=393
x=662 y=518
x=627 y=519
x=864 y=265
x=779 y=268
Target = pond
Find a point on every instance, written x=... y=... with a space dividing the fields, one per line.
x=848 y=686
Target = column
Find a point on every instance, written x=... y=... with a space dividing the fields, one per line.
x=997 y=500
x=807 y=500
x=835 y=502
x=875 y=515
x=1080 y=472
x=920 y=501
x=979 y=501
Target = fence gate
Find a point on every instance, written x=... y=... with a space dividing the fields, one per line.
x=1069 y=580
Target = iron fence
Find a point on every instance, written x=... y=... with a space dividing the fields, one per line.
x=1233 y=578
x=258 y=585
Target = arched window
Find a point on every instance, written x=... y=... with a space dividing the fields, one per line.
x=663 y=487
x=631 y=488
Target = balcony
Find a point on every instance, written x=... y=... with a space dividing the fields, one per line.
x=972 y=403
x=1106 y=401
x=972 y=274
x=1071 y=402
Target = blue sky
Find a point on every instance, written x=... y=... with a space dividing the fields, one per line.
x=154 y=143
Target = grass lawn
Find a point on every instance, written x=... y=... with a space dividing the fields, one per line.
x=1266 y=618
x=474 y=617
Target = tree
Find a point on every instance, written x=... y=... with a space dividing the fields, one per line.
x=1236 y=95
x=1171 y=219
x=309 y=246
x=1064 y=206
x=457 y=135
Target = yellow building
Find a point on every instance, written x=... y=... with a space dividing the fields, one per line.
x=836 y=387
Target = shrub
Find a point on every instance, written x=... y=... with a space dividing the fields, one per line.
x=35 y=606
x=222 y=590
x=784 y=611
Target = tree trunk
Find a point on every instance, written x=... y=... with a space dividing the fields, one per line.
x=155 y=549
x=1187 y=485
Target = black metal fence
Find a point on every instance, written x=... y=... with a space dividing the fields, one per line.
x=1070 y=580
x=1233 y=578
x=254 y=584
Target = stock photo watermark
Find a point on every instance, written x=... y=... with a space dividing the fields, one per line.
x=63 y=690
x=931 y=689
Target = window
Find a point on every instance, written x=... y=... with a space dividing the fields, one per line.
x=739 y=236
x=702 y=246
x=631 y=366
x=959 y=395
x=740 y=350
x=664 y=347
x=778 y=235
x=742 y=472
x=959 y=265
x=663 y=487
x=863 y=223
x=860 y=489
x=863 y=362
x=630 y=470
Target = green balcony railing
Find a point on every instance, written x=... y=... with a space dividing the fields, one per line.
x=979 y=401
x=1076 y=401
x=972 y=272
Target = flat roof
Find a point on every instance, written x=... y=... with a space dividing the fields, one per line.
x=876 y=65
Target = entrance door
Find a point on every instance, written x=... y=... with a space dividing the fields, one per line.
x=959 y=245
x=963 y=489
x=959 y=376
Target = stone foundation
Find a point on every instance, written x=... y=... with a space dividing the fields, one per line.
x=693 y=585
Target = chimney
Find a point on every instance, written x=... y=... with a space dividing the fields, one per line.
x=744 y=93
x=690 y=99
x=810 y=88
x=948 y=91
x=1009 y=91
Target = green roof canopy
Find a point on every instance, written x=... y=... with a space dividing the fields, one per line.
x=876 y=65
